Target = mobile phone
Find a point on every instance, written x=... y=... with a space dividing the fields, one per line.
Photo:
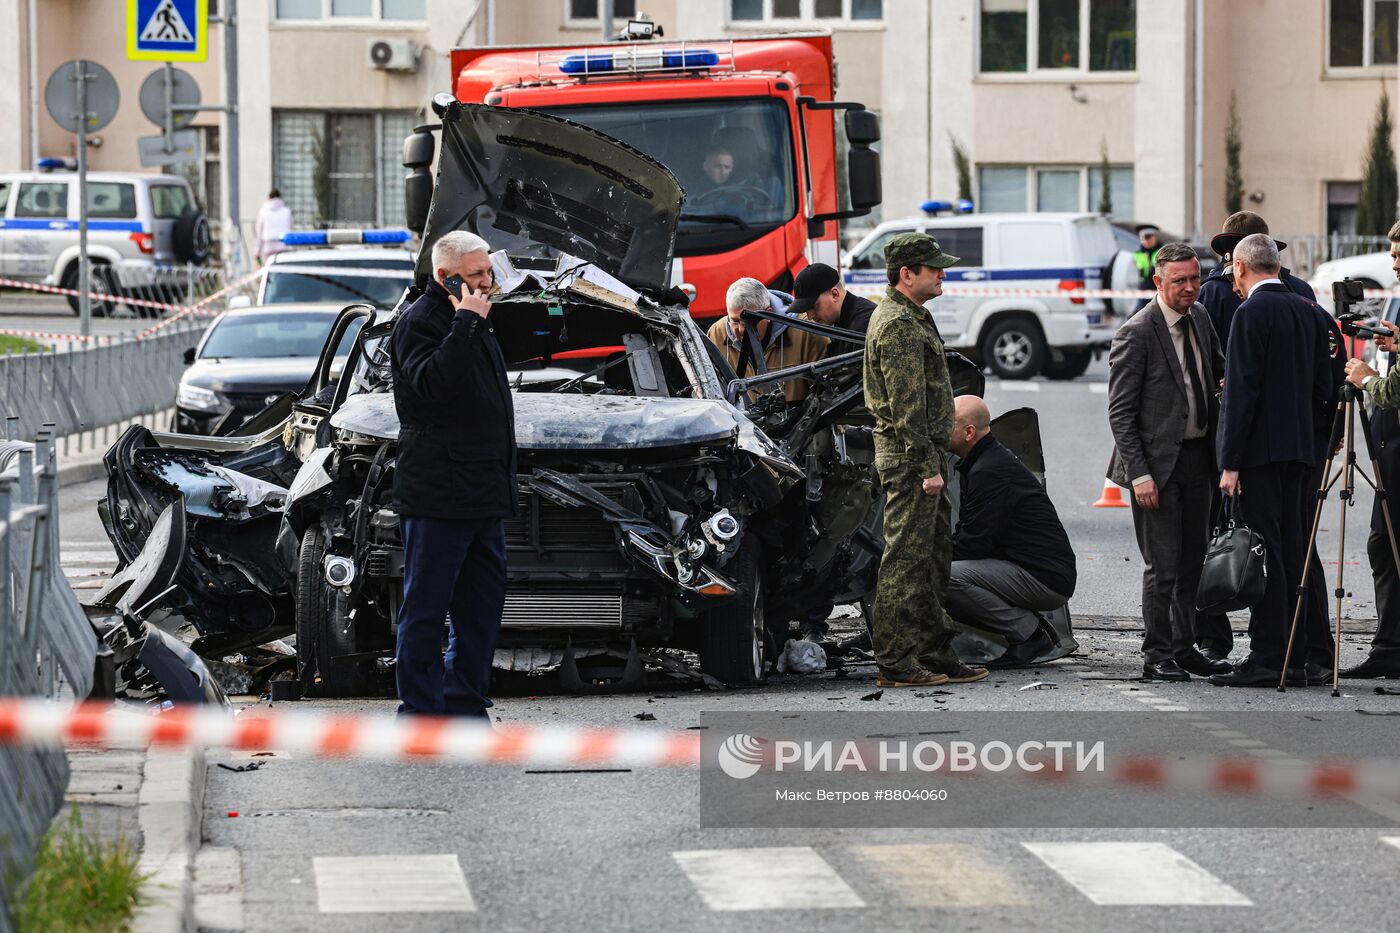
x=453 y=284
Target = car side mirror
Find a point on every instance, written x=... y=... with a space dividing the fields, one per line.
x=189 y=356
x=240 y=301
x=418 y=149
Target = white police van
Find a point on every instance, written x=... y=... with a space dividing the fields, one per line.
x=1016 y=335
x=139 y=228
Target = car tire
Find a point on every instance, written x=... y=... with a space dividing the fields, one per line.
x=325 y=631
x=190 y=238
x=102 y=282
x=734 y=639
x=1014 y=348
x=1074 y=364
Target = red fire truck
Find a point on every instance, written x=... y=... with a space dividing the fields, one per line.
x=746 y=125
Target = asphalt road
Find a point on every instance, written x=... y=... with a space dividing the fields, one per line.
x=344 y=846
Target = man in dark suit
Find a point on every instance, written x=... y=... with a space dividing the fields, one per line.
x=1384 y=391
x=821 y=295
x=1163 y=369
x=454 y=483
x=1278 y=383
x=1213 y=633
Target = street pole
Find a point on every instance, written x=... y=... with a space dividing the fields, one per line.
x=605 y=13
x=33 y=21
x=230 y=19
x=1197 y=214
x=84 y=301
x=169 y=73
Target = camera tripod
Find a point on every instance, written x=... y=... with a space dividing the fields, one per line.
x=1343 y=432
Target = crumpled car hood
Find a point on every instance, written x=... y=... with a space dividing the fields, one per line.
x=536 y=185
x=548 y=421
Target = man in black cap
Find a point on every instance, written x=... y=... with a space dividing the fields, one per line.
x=1149 y=241
x=1218 y=290
x=822 y=296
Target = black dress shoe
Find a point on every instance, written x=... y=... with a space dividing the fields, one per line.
x=1374 y=667
x=1212 y=654
x=1164 y=670
x=1023 y=653
x=1248 y=674
x=1196 y=662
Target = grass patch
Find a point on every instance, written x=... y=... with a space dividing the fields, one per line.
x=18 y=344
x=81 y=883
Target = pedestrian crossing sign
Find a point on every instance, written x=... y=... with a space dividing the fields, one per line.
x=167 y=30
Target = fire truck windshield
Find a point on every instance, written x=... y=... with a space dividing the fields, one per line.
x=733 y=157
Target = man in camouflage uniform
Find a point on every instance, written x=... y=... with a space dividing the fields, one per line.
x=908 y=391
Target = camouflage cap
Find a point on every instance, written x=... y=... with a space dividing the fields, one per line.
x=916 y=249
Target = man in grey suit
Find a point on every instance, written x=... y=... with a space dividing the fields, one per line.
x=1164 y=369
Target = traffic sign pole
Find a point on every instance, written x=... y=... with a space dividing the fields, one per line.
x=84 y=299
x=169 y=107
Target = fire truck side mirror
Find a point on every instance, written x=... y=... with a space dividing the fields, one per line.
x=862 y=162
x=418 y=149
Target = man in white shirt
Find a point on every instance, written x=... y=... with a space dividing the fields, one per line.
x=274 y=221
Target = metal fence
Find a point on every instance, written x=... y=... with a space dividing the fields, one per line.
x=1308 y=251
x=47 y=649
x=100 y=383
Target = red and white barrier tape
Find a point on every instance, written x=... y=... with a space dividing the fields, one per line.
x=970 y=291
x=36 y=722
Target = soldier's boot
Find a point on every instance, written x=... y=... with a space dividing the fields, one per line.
x=916 y=676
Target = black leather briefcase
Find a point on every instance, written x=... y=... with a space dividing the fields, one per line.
x=1235 y=573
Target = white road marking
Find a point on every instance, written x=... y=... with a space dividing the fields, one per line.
x=1098 y=388
x=778 y=878
x=218 y=889
x=390 y=884
x=1013 y=385
x=943 y=875
x=1135 y=873
x=87 y=558
x=1393 y=840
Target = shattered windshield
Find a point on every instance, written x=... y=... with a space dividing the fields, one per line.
x=734 y=158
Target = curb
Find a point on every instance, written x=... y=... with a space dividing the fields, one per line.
x=170 y=810
x=82 y=471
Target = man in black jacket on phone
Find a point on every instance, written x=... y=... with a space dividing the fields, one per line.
x=454 y=483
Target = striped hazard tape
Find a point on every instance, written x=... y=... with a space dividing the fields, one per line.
x=33 y=722
x=978 y=291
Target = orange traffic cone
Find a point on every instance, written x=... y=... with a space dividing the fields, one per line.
x=1112 y=497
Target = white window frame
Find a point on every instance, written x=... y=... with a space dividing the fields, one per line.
x=1033 y=70
x=376 y=18
x=806 y=16
x=1033 y=181
x=1368 y=67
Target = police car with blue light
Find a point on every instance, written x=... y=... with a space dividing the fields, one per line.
x=329 y=266
x=141 y=230
x=1005 y=311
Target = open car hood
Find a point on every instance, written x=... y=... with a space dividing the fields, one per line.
x=536 y=185
x=548 y=421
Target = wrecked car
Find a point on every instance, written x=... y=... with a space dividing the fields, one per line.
x=663 y=500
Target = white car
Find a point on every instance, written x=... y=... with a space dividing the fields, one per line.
x=344 y=274
x=139 y=228
x=1017 y=335
x=1372 y=269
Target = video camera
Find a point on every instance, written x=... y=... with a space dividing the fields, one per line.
x=1346 y=294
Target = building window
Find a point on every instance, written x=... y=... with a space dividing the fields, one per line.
x=1362 y=33
x=341 y=168
x=345 y=10
x=1342 y=198
x=1019 y=188
x=752 y=11
x=1059 y=35
x=587 y=11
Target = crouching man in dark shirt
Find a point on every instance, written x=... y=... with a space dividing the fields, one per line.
x=454 y=483
x=1011 y=557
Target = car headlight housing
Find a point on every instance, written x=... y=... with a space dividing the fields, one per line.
x=196 y=399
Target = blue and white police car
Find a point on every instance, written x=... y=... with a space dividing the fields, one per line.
x=1016 y=324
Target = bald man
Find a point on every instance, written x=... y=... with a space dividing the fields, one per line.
x=1011 y=557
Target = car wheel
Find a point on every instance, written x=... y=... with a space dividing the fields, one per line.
x=1072 y=366
x=102 y=282
x=733 y=643
x=190 y=238
x=1014 y=348
x=325 y=630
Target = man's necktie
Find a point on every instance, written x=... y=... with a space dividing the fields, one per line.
x=1193 y=372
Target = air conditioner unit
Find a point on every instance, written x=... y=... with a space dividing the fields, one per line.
x=393 y=54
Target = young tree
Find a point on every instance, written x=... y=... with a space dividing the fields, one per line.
x=1105 y=179
x=1379 y=188
x=1234 y=182
x=964 y=167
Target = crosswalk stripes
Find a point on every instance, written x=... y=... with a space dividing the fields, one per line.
x=1393 y=840
x=86 y=564
x=941 y=875
x=1135 y=874
x=782 y=878
x=373 y=884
